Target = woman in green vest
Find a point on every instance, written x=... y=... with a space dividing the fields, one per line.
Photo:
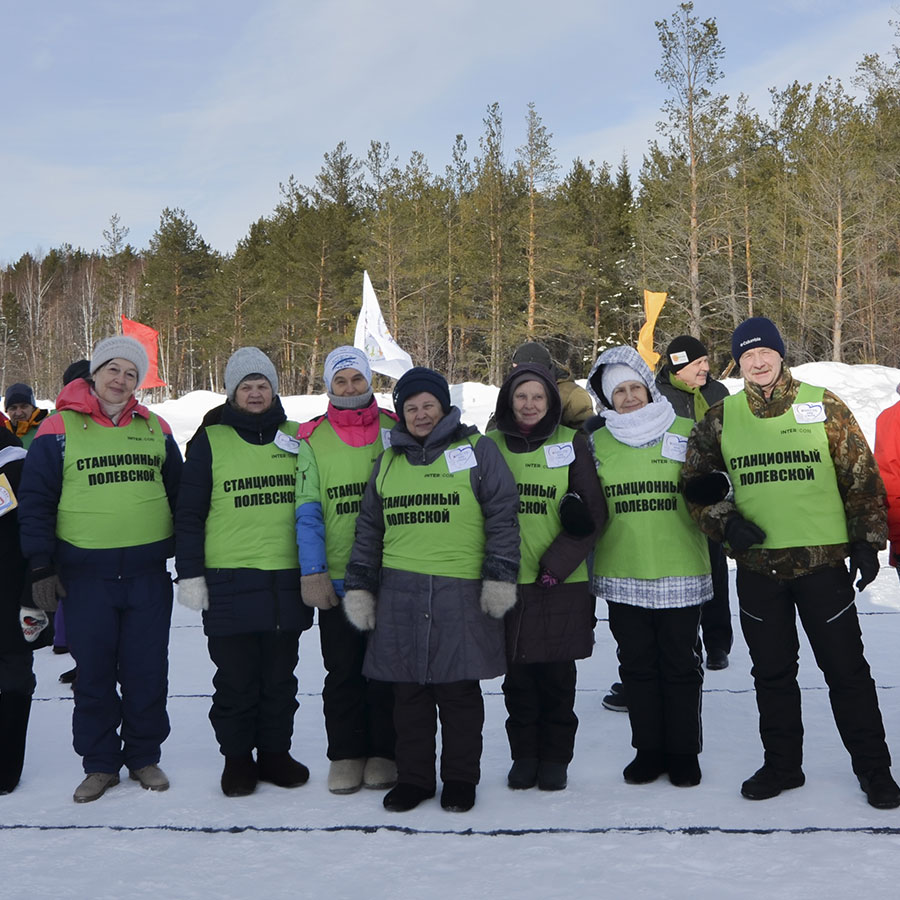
x=96 y=501
x=561 y=509
x=651 y=565
x=236 y=553
x=431 y=574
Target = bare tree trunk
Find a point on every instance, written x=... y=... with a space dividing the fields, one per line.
x=837 y=334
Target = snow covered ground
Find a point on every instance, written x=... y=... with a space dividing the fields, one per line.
x=599 y=838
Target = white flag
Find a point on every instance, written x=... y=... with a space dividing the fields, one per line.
x=372 y=335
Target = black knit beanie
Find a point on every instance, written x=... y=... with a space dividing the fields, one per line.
x=683 y=350
x=416 y=381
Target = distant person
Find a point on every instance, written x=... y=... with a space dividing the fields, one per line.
x=887 y=455
x=432 y=573
x=81 y=368
x=24 y=415
x=97 y=495
x=333 y=467
x=236 y=557
x=685 y=380
x=807 y=494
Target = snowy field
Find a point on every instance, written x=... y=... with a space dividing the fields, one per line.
x=601 y=838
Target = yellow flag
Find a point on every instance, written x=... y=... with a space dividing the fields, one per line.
x=653 y=303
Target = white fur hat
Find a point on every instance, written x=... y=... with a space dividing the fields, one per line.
x=614 y=374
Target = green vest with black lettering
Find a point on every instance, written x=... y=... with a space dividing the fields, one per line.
x=343 y=474
x=433 y=523
x=113 y=493
x=650 y=533
x=782 y=473
x=250 y=524
x=541 y=486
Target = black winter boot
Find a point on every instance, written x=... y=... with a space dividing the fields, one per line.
x=458 y=796
x=14 y=711
x=646 y=766
x=684 y=769
x=405 y=797
x=240 y=775
x=281 y=769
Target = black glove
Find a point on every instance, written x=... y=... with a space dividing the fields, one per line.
x=575 y=517
x=863 y=559
x=742 y=534
x=705 y=490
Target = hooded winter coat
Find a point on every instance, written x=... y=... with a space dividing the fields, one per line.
x=552 y=624
x=430 y=629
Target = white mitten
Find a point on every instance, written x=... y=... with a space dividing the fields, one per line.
x=359 y=607
x=497 y=598
x=193 y=593
x=33 y=622
x=317 y=591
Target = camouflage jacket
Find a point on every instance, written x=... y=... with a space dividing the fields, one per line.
x=862 y=490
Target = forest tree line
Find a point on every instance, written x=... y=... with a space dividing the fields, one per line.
x=794 y=215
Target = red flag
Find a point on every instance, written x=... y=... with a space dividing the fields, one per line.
x=149 y=337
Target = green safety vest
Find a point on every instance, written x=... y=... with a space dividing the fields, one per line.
x=542 y=477
x=113 y=493
x=650 y=533
x=433 y=523
x=787 y=484
x=343 y=474
x=250 y=524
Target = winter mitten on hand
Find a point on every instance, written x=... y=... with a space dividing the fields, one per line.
x=575 y=517
x=359 y=607
x=705 y=490
x=46 y=589
x=193 y=593
x=33 y=622
x=742 y=534
x=318 y=591
x=863 y=559
x=546 y=578
x=497 y=598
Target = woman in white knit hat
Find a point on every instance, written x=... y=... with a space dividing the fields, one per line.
x=333 y=466
x=651 y=565
x=96 y=502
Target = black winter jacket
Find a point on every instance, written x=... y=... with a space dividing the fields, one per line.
x=240 y=600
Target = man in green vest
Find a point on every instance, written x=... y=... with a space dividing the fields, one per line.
x=807 y=494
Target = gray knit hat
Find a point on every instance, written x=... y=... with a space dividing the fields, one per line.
x=121 y=347
x=19 y=393
x=247 y=361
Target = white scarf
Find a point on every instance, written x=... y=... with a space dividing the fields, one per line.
x=643 y=427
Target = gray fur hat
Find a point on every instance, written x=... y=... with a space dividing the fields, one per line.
x=121 y=347
x=247 y=361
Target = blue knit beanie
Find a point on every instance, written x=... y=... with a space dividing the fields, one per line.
x=757 y=331
x=418 y=380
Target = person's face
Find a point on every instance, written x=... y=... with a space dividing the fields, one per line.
x=19 y=412
x=529 y=402
x=254 y=395
x=761 y=366
x=421 y=413
x=116 y=381
x=696 y=373
x=630 y=396
x=349 y=383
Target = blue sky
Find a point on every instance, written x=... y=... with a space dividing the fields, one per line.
x=129 y=107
